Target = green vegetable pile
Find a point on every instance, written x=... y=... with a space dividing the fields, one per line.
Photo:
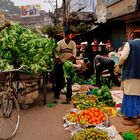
x=133 y=134
x=68 y=69
x=129 y=136
x=104 y=95
x=77 y=79
x=83 y=101
x=92 y=80
x=19 y=46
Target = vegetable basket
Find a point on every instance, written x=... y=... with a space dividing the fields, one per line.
x=91 y=133
x=77 y=118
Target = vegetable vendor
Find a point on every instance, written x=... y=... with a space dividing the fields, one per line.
x=66 y=50
x=130 y=61
x=105 y=63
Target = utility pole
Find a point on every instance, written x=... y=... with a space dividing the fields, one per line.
x=65 y=16
x=56 y=11
x=54 y=5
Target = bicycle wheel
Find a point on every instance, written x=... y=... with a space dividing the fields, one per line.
x=9 y=116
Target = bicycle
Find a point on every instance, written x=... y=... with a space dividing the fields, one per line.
x=13 y=83
x=9 y=106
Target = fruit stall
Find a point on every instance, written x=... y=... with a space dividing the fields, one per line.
x=89 y=119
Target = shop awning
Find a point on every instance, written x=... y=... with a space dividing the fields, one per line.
x=94 y=27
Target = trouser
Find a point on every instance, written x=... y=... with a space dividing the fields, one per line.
x=60 y=81
x=110 y=67
x=69 y=88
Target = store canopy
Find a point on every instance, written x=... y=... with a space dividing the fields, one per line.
x=85 y=35
x=94 y=27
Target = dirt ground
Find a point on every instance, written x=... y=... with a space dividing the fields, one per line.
x=41 y=122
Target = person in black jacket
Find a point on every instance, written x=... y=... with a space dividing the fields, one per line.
x=105 y=63
x=89 y=53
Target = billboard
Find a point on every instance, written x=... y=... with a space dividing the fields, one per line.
x=30 y=10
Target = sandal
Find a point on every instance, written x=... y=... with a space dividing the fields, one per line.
x=131 y=122
x=51 y=105
x=66 y=102
x=54 y=102
x=126 y=118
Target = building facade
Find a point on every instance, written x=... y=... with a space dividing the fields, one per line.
x=120 y=17
x=32 y=21
x=2 y=18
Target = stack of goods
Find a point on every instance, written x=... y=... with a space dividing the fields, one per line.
x=20 y=46
x=92 y=107
x=83 y=101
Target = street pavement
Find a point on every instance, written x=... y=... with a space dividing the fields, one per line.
x=41 y=122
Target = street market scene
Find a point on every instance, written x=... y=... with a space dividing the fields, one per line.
x=70 y=70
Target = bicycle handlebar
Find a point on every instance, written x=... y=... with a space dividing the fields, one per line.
x=20 y=69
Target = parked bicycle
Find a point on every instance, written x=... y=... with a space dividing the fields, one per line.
x=12 y=84
x=9 y=107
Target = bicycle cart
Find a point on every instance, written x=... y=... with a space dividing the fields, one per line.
x=10 y=87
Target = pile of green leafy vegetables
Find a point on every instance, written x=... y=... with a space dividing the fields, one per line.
x=104 y=95
x=19 y=46
x=68 y=69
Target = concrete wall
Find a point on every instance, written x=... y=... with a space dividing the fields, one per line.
x=121 y=8
x=2 y=18
x=132 y=26
x=87 y=5
x=101 y=11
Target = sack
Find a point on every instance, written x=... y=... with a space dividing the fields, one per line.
x=117 y=69
x=28 y=98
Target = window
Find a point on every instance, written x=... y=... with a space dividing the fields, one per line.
x=110 y=2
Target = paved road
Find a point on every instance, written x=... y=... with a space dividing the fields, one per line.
x=41 y=122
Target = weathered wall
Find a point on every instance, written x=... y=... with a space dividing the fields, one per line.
x=121 y=8
x=2 y=18
x=132 y=26
x=101 y=11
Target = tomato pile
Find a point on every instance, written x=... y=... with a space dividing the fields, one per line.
x=91 y=116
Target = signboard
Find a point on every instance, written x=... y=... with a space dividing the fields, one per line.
x=30 y=10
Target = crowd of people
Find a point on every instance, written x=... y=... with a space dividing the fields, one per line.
x=128 y=60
